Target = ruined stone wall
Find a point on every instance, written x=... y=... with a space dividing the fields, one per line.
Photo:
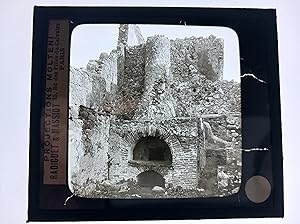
x=221 y=174
x=88 y=134
x=105 y=67
x=157 y=102
x=131 y=88
x=197 y=86
x=80 y=82
x=162 y=72
x=167 y=88
x=103 y=72
x=197 y=56
x=199 y=96
x=91 y=163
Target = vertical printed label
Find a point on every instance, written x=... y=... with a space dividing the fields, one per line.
x=56 y=103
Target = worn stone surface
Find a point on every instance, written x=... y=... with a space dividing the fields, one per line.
x=160 y=88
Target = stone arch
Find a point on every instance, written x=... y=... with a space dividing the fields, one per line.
x=153 y=130
x=149 y=179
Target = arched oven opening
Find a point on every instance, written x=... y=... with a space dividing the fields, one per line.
x=153 y=150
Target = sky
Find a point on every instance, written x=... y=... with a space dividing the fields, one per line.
x=89 y=40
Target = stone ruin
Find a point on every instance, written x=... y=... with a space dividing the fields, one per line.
x=156 y=113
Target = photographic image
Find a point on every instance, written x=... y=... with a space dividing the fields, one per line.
x=154 y=111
